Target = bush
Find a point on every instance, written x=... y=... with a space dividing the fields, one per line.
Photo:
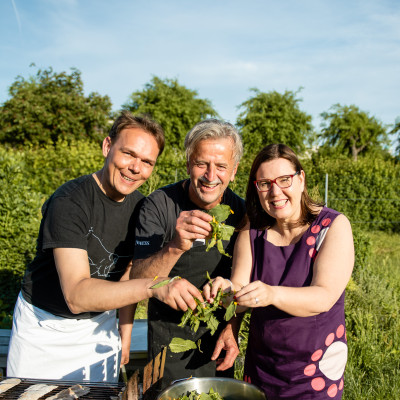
x=64 y=161
x=366 y=191
x=27 y=178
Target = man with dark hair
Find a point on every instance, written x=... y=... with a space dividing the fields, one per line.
x=170 y=240
x=64 y=324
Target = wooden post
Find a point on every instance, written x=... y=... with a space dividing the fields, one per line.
x=132 y=388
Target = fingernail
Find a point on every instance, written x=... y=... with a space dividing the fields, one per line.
x=213 y=295
x=234 y=297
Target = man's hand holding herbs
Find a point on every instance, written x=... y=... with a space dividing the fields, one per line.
x=176 y=292
x=191 y=225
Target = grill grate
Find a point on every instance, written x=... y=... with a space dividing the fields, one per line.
x=99 y=390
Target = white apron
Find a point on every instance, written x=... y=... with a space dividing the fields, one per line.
x=44 y=346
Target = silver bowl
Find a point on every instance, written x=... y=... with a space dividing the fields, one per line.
x=229 y=389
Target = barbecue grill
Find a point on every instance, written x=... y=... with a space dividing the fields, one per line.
x=98 y=391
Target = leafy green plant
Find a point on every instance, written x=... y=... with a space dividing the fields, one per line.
x=203 y=313
x=220 y=231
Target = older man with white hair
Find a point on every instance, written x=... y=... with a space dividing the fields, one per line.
x=170 y=240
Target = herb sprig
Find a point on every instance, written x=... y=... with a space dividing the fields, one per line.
x=220 y=231
x=203 y=313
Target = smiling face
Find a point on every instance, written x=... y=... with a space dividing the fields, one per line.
x=130 y=160
x=282 y=204
x=211 y=167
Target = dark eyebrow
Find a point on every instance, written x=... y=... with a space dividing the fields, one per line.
x=128 y=150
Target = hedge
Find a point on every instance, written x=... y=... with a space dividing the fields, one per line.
x=367 y=191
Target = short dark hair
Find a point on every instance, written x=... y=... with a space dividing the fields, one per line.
x=128 y=120
x=259 y=219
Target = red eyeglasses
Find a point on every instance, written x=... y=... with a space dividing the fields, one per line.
x=283 y=182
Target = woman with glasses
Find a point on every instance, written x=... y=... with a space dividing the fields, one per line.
x=292 y=262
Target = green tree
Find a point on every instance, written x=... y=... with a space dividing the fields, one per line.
x=396 y=129
x=348 y=130
x=52 y=106
x=174 y=106
x=274 y=118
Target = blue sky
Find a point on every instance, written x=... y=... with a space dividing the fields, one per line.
x=338 y=51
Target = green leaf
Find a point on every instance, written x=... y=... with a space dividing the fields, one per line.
x=221 y=212
x=230 y=311
x=186 y=317
x=179 y=345
x=220 y=248
x=198 y=345
x=220 y=231
x=212 y=324
x=194 y=324
x=210 y=243
x=226 y=231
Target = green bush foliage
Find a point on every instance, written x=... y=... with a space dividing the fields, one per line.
x=51 y=106
x=19 y=219
x=174 y=106
x=27 y=178
x=274 y=118
x=50 y=166
x=348 y=130
x=366 y=191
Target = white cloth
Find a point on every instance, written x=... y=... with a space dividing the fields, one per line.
x=44 y=346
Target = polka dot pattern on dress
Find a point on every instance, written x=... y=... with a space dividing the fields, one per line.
x=315 y=230
x=331 y=363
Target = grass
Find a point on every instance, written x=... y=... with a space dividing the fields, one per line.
x=373 y=324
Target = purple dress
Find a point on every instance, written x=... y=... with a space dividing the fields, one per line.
x=295 y=357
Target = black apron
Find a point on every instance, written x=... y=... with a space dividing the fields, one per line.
x=163 y=321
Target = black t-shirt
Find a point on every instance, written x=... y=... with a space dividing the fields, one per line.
x=79 y=215
x=154 y=229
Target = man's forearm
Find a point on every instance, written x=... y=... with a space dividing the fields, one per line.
x=158 y=264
